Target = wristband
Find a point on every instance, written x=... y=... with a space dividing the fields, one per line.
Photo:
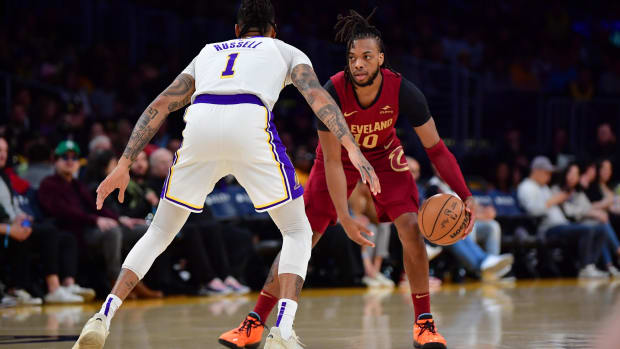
x=6 y=237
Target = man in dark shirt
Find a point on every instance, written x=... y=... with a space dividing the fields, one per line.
x=69 y=201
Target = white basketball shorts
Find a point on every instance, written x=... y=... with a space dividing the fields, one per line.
x=231 y=134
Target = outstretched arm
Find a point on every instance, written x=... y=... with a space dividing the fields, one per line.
x=173 y=98
x=326 y=109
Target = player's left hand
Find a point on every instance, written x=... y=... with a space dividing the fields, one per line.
x=470 y=207
x=367 y=172
x=117 y=179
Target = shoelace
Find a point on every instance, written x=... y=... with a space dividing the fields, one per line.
x=248 y=325
x=427 y=326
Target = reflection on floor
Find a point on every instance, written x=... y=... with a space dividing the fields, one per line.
x=530 y=314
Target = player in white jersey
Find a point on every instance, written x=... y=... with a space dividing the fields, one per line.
x=232 y=87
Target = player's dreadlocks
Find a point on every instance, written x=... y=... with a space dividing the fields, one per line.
x=353 y=27
x=255 y=15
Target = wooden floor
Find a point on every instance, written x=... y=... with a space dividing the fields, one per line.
x=536 y=314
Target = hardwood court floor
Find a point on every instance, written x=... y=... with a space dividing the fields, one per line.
x=530 y=314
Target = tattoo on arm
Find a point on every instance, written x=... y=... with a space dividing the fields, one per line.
x=176 y=96
x=320 y=101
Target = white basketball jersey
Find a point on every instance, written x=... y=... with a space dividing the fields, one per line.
x=257 y=65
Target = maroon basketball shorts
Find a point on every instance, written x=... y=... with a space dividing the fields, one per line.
x=399 y=194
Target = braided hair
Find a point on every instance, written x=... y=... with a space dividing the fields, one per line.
x=353 y=27
x=255 y=15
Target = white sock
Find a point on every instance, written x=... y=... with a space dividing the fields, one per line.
x=286 y=316
x=109 y=307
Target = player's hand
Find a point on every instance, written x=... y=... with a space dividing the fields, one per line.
x=354 y=230
x=367 y=172
x=470 y=207
x=117 y=179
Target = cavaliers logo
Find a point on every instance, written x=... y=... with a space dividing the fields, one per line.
x=386 y=110
x=397 y=160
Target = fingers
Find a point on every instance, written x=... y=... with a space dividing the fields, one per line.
x=365 y=230
x=362 y=241
x=102 y=194
x=121 y=193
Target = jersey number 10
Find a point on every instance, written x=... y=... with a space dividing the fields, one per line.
x=229 y=72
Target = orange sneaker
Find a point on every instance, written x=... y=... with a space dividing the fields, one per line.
x=248 y=335
x=425 y=335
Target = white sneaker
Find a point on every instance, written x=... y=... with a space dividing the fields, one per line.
x=371 y=282
x=62 y=295
x=93 y=334
x=275 y=341
x=87 y=293
x=433 y=251
x=590 y=271
x=614 y=272
x=495 y=264
x=384 y=281
x=24 y=298
x=236 y=286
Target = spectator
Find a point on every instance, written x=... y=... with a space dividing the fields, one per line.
x=24 y=236
x=579 y=209
x=99 y=143
x=605 y=146
x=536 y=198
x=69 y=201
x=39 y=164
x=160 y=162
x=602 y=196
x=140 y=201
x=363 y=208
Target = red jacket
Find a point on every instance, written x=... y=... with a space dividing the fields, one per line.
x=70 y=203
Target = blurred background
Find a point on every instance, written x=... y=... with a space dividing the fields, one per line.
x=505 y=80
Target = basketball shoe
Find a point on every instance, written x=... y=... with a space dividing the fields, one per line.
x=425 y=335
x=93 y=334
x=275 y=341
x=248 y=335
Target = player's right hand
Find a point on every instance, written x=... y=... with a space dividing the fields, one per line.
x=354 y=230
x=117 y=179
x=367 y=172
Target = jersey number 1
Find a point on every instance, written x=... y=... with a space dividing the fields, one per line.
x=229 y=72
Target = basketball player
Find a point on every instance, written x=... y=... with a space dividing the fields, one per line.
x=371 y=98
x=233 y=86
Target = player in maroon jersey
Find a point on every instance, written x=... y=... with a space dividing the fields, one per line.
x=371 y=98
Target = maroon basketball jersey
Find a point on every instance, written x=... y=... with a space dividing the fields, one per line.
x=372 y=127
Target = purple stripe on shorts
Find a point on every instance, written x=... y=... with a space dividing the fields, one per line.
x=228 y=99
x=193 y=209
x=294 y=189
x=281 y=314
x=107 y=306
x=164 y=190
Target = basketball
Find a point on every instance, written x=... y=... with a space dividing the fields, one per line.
x=443 y=219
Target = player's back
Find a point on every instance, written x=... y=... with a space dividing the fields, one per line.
x=256 y=65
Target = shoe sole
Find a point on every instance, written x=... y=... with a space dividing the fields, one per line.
x=429 y=346
x=235 y=346
x=90 y=340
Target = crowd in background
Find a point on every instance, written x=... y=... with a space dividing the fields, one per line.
x=75 y=96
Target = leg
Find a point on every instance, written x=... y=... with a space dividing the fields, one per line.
x=468 y=253
x=488 y=235
x=414 y=259
x=296 y=248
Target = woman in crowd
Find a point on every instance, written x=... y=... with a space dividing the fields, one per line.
x=579 y=208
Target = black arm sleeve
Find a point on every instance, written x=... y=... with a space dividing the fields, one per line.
x=331 y=89
x=412 y=103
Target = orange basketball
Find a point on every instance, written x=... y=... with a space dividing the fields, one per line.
x=443 y=219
